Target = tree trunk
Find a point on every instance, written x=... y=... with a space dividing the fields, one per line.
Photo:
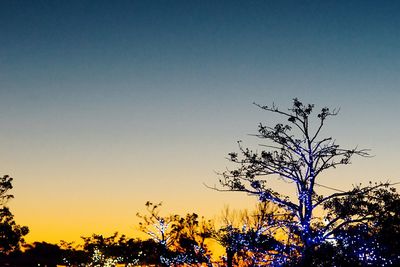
x=307 y=256
x=229 y=258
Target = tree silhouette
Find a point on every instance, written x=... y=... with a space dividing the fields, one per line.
x=11 y=234
x=249 y=238
x=114 y=250
x=178 y=240
x=296 y=153
x=159 y=229
x=190 y=238
x=375 y=242
x=72 y=254
x=40 y=254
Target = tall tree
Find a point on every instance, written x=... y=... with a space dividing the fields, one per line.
x=296 y=153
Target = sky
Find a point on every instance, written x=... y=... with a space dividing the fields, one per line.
x=105 y=105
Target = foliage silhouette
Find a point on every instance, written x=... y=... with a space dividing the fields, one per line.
x=11 y=234
x=121 y=249
x=375 y=242
x=251 y=238
x=181 y=240
x=42 y=254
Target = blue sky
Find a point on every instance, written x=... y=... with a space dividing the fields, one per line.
x=142 y=100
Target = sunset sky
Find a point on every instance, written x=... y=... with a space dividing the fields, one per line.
x=107 y=104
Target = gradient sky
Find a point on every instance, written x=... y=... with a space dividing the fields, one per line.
x=107 y=104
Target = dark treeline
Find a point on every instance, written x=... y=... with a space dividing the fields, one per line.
x=249 y=238
x=356 y=227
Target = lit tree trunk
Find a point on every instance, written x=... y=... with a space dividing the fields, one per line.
x=305 y=215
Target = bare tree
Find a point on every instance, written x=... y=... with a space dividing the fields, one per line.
x=180 y=240
x=295 y=153
x=159 y=228
x=249 y=237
